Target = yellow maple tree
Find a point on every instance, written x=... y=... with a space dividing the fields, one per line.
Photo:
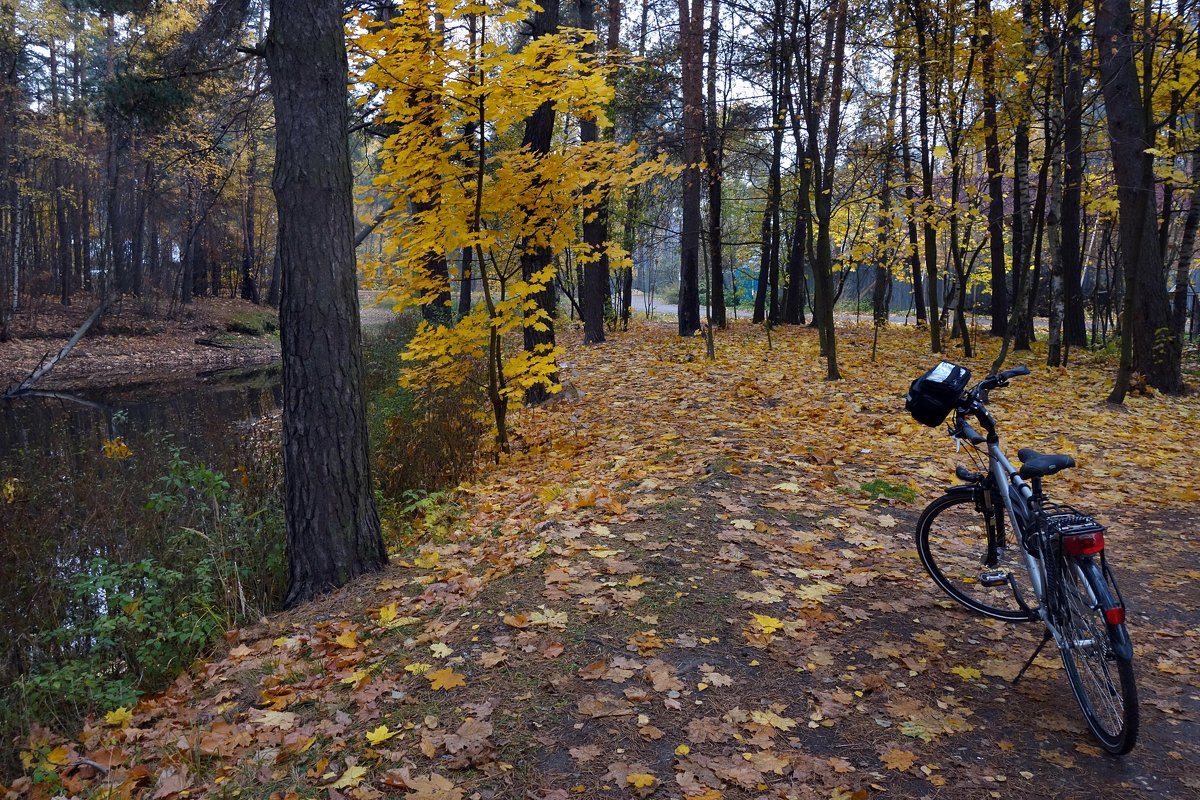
x=453 y=180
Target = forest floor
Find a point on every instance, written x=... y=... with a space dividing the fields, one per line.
x=138 y=341
x=697 y=580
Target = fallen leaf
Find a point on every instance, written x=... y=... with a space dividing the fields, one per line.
x=445 y=678
x=380 y=734
x=900 y=760
x=352 y=777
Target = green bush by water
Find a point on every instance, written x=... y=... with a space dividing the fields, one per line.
x=110 y=630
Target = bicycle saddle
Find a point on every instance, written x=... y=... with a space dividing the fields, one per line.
x=1038 y=465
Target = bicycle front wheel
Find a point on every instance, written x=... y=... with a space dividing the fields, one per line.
x=1097 y=655
x=952 y=542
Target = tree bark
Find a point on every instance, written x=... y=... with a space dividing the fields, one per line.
x=921 y=26
x=1074 y=326
x=999 y=283
x=910 y=203
x=1155 y=351
x=714 y=154
x=691 y=25
x=595 y=221
x=332 y=526
x=882 y=289
x=539 y=130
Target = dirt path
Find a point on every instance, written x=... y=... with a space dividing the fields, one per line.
x=687 y=583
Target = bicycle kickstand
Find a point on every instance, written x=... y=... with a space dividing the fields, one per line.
x=1046 y=636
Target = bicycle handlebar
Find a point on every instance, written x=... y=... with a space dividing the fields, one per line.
x=975 y=404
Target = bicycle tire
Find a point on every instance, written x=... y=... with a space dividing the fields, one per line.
x=952 y=543
x=1097 y=656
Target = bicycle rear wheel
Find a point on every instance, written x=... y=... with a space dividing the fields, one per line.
x=952 y=542
x=1097 y=655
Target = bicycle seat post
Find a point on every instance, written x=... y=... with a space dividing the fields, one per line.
x=1038 y=496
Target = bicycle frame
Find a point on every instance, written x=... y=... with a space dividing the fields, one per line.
x=1005 y=477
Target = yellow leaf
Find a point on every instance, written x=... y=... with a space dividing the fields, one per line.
x=536 y=550
x=347 y=639
x=269 y=718
x=119 y=717
x=380 y=734
x=116 y=448
x=418 y=668
x=387 y=613
x=352 y=777
x=355 y=677
x=767 y=624
x=967 y=673
x=445 y=678
x=427 y=560
x=682 y=750
x=58 y=756
x=773 y=720
x=640 y=780
x=440 y=649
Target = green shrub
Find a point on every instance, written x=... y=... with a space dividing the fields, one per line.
x=421 y=441
x=115 y=629
x=131 y=626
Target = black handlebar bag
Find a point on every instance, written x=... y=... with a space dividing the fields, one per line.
x=935 y=394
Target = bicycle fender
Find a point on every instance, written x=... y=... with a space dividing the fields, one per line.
x=1117 y=633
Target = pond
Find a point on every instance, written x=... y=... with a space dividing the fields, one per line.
x=78 y=472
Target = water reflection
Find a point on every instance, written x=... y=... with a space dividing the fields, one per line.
x=196 y=413
x=67 y=503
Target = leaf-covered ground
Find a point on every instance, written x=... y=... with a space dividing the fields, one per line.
x=694 y=579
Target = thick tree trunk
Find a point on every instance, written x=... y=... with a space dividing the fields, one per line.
x=691 y=24
x=929 y=230
x=332 y=525
x=1155 y=350
x=1074 y=327
x=823 y=267
x=714 y=154
x=999 y=284
x=910 y=204
x=539 y=130
x=594 y=291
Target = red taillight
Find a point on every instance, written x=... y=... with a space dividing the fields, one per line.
x=1114 y=616
x=1083 y=544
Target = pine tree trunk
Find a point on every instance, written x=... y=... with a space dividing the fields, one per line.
x=332 y=527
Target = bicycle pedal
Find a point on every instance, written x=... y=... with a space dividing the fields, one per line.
x=994 y=578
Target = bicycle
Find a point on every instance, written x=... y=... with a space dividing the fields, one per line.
x=963 y=544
